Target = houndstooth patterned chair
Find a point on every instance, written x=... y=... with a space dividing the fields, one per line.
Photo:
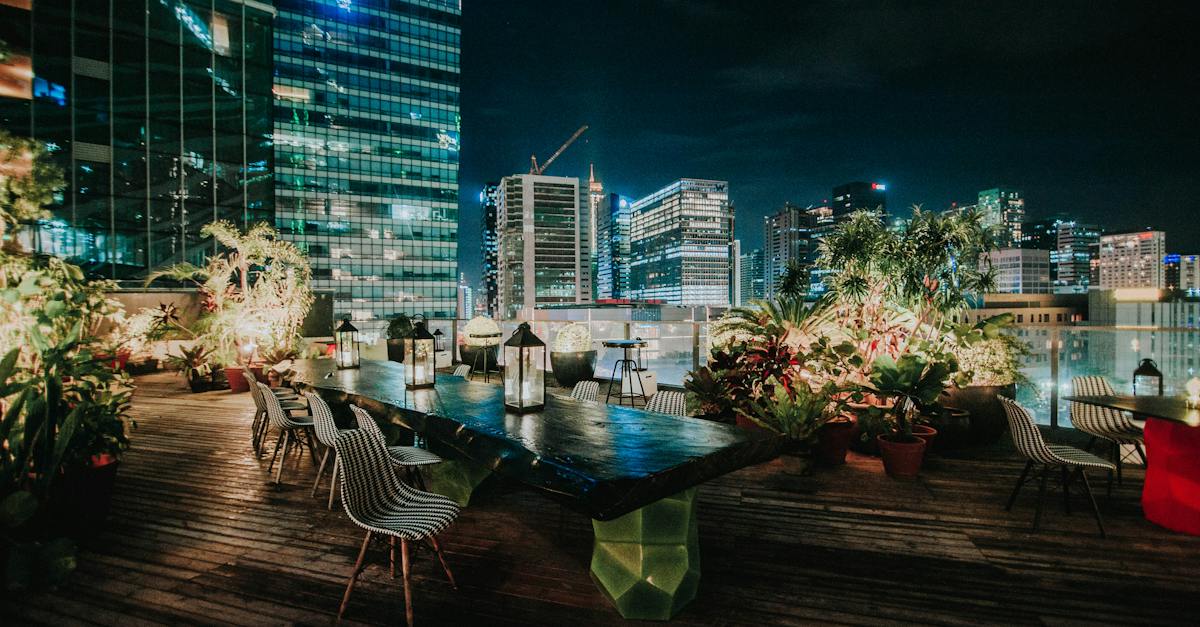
x=586 y=391
x=326 y=431
x=463 y=370
x=1105 y=423
x=259 y=426
x=668 y=402
x=1070 y=461
x=377 y=501
x=292 y=430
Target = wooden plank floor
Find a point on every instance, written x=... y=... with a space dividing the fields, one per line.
x=198 y=535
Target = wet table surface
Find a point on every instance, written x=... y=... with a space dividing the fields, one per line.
x=602 y=460
x=1161 y=407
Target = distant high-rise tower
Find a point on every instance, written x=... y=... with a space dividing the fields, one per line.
x=595 y=197
x=543 y=239
x=466 y=298
x=1076 y=248
x=1020 y=270
x=682 y=238
x=1003 y=212
x=612 y=247
x=787 y=238
x=488 y=199
x=366 y=147
x=857 y=195
x=753 y=277
x=1133 y=259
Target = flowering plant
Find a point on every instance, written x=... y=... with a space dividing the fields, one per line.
x=573 y=338
x=482 y=331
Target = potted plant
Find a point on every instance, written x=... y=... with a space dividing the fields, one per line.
x=398 y=329
x=915 y=381
x=793 y=410
x=481 y=343
x=571 y=356
x=989 y=357
x=193 y=363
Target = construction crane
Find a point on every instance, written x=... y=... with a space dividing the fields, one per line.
x=534 y=168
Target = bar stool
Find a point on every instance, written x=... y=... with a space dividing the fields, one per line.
x=629 y=372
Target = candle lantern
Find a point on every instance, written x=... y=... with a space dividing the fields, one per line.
x=346 y=350
x=1193 y=392
x=421 y=367
x=524 y=371
x=439 y=340
x=1147 y=379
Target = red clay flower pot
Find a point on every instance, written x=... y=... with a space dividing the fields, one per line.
x=833 y=440
x=237 y=383
x=901 y=460
x=927 y=433
x=751 y=426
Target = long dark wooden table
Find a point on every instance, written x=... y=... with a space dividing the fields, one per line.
x=1171 y=492
x=633 y=472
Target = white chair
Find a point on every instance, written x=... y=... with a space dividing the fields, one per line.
x=1104 y=423
x=463 y=370
x=586 y=391
x=292 y=431
x=668 y=402
x=1070 y=461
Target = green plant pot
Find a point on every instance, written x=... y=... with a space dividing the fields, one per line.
x=573 y=367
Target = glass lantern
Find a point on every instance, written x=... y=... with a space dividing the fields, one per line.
x=439 y=340
x=421 y=370
x=524 y=371
x=1147 y=379
x=345 y=352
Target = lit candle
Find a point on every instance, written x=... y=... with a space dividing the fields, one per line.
x=1193 y=391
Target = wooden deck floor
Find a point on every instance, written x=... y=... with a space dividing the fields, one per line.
x=198 y=535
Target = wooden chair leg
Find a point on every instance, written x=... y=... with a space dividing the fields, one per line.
x=442 y=558
x=334 y=479
x=278 y=442
x=408 y=606
x=1117 y=461
x=1066 y=489
x=1037 y=514
x=1095 y=508
x=358 y=567
x=1137 y=446
x=392 y=555
x=1020 y=482
x=287 y=446
x=320 y=471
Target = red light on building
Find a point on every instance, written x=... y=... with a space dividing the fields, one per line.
x=879 y=187
x=1145 y=235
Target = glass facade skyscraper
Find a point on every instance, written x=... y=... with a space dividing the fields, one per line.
x=682 y=244
x=490 y=288
x=158 y=111
x=612 y=247
x=366 y=148
x=1003 y=212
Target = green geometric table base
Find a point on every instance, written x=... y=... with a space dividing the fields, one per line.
x=455 y=478
x=648 y=561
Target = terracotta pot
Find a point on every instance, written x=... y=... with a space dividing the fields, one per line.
x=237 y=383
x=259 y=375
x=901 y=460
x=927 y=433
x=833 y=440
x=751 y=426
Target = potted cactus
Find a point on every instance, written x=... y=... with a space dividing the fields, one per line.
x=572 y=356
x=481 y=341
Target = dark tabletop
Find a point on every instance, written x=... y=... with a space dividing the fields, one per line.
x=624 y=343
x=1164 y=407
x=604 y=460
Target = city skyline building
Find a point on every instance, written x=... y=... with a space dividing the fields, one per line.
x=466 y=298
x=366 y=149
x=859 y=195
x=1132 y=259
x=786 y=239
x=542 y=243
x=161 y=124
x=613 y=247
x=753 y=277
x=1077 y=245
x=1003 y=213
x=681 y=243
x=489 y=288
x=1020 y=270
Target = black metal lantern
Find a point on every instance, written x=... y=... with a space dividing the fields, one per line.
x=346 y=351
x=524 y=371
x=439 y=340
x=420 y=367
x=1147 y=379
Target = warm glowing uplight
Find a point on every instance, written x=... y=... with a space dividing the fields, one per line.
x=1193 y=392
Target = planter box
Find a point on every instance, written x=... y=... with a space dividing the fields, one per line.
x=987 y=419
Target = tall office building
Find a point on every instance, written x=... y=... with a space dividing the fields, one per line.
x=1182 y=273
x=1020 y=270
x=681 y=242
x=1040 y=234
x=753 y=277
x=1077 y=245
x=595 y=196
x=366 y=144
x=1003 y=212
x=543 y=242
x=787 y=238
x=490 y=292
x=1133 y=260
x=466 y=298
x=857 y=196
x=159 y=115
x=612 y=247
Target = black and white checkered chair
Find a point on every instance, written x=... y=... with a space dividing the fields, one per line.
x=293 y=431
x=668 y=402
x=586 y=391
x=259 y=426
x=326 y=430
x=463 y=370
x=1104 y=423
x=407 y=457
x=383 y=505
x=1070 y=462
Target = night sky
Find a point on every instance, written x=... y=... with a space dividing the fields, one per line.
x=1090 y=107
